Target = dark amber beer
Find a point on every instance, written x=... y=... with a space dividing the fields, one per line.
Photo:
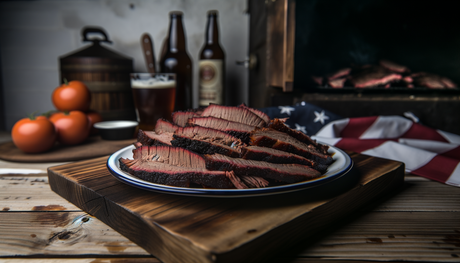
x=176 y=60
x=212 y=65
x=154 y=97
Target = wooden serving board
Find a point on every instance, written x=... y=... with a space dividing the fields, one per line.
x=93 y=147
x=198 y=229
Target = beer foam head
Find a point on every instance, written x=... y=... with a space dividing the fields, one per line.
x=152 y=83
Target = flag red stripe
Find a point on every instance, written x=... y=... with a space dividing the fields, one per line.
x=417 y=131
x=439 y=168
x=357 y=126
x=454 y=153
x=358 y=145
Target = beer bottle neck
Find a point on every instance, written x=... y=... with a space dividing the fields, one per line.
x=176 y=40
x=212 y=30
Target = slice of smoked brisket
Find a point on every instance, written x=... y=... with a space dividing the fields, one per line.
x=206 y=140
x=259 y=113
x=267 y=137
x=337 y=83
x=170 y=155
x=373 y=76
x=146 y=167
x=209 y=134
x=254 y=181
x=279 y=125
x=149 y=138
x=163 y=125
x=180 y=118
x=393 y=66
x=432 y=81
x=236 y=114
x=270 y=155
x=236 y=129
x=339 y=74
x=289 y=173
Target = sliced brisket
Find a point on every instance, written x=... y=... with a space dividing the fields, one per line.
x=393 y=66
x=432 y=81
x=206 y=140
x=279 y=125
x=373 y=76
x=236 y=114
x=163 y=125
x=137 y=144
x=146 y=167
x=408 y=79
x=180 y=118
x=267 y=137
x=289 y=173
x=170 y=155
x=337 y=83
x=259 y=113
x=236 y=129
x=149 y=138
x=339 y=74
x=270 y=155
x=254 y=181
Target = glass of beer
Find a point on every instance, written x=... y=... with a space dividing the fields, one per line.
x=154 y=95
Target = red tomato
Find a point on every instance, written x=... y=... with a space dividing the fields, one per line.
x=34 y=134
x=73 y=95
x=94 y=117
x=72 y=127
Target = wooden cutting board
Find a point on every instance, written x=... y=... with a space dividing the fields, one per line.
x=198 y=229
x=91 y=148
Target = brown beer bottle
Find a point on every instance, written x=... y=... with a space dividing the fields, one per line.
x=212 y=65
x=176 y=60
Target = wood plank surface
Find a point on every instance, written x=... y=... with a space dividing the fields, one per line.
x=30 y=193
x=358 y=236
x=219 y=229
x=61 y=233
x=394 y=236
x=419 y=195
x=408 y=236
x=36 y=221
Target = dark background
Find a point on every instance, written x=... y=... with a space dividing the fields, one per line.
x=333 y=34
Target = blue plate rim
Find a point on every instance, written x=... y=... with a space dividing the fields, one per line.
x=113 y=167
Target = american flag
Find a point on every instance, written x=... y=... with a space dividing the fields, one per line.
x=426 y=152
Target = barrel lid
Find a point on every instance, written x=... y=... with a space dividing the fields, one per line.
x=96 y=50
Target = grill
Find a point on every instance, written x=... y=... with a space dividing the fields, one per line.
x=297 y=42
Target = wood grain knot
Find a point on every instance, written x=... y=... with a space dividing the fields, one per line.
x=374 y=240
x=453 y=239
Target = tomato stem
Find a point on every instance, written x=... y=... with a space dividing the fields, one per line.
x=48 y=113
x=66 y=82
x=32 y=115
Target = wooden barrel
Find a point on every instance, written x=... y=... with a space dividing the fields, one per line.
x=107 y=75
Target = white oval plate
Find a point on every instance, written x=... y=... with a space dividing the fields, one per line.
x=342 y=165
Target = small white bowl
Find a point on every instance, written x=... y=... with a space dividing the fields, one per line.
x=116 y=130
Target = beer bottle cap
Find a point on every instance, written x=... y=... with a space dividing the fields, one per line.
x=176 y=13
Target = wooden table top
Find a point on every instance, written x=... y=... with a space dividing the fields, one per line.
x=420 y=222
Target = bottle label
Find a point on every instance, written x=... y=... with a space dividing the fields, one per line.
x=211 y=82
